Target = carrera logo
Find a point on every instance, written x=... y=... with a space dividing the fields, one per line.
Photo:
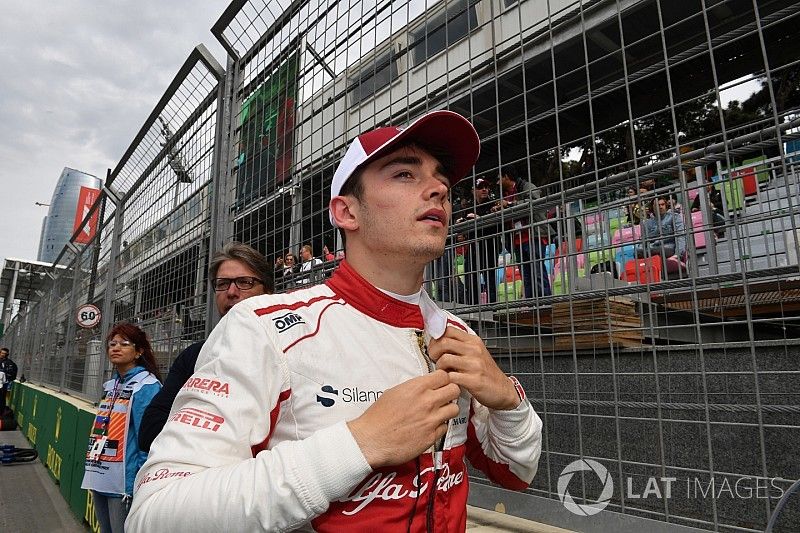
x=207 y=386
x=198 y=418
x=287 y=321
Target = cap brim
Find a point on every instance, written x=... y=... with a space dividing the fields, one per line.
x=443 y=131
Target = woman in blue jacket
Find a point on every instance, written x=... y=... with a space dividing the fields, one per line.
x=664 y=231
x=113 y=457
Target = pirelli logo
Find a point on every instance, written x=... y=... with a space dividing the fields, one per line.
x=199 y=419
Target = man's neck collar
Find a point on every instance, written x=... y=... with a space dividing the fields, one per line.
x=364 y=296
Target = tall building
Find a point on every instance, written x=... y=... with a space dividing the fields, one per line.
x=60 y=222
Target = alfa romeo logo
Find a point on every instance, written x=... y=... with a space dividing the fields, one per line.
x=585 y=509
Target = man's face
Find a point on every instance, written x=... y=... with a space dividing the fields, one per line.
x=3 y=354
x=305 y=254
x=481 y=193
x=405 y=209
x=662 y=206
x=506 y=182
x=233 y=269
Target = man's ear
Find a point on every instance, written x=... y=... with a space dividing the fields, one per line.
x=344 y=210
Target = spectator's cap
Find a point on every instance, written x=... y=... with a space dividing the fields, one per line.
x=443 y=131
x=481 y=183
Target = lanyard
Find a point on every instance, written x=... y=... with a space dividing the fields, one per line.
x=104 y=420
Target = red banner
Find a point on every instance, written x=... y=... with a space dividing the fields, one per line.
x=86 y=198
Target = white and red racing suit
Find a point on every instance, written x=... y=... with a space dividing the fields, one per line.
x=257 y=439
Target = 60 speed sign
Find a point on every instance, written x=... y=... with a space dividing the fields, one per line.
x=88 y=316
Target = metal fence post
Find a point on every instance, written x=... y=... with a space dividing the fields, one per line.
x=107 y=317
x=69 y=334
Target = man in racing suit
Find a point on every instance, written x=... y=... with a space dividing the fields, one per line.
x=352 y=405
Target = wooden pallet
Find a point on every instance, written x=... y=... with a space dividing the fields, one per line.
x=597 y=323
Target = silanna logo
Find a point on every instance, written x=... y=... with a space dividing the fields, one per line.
x=287 y=321
x=328 y=395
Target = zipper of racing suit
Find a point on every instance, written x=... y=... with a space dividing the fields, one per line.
x=438 y=446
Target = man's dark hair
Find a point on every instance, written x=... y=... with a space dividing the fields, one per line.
x=354 y=186
x=5 y=351
x=248 y=255
x=510 y=170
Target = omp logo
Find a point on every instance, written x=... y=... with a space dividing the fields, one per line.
x=585 y=465
x=328 y=395
x=327 y=399
x=287 y=321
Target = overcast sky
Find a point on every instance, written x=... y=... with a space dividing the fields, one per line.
x=77 y=80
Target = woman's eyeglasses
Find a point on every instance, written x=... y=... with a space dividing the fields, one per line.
x=123 y=344
x=243 y=283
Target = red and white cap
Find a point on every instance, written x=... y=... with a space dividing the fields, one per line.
x=444 y=131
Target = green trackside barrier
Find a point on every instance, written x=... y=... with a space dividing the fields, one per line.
x=80 y=500
x=11 y=398
x=58 y=427
x=42 y=419
x=25 y=399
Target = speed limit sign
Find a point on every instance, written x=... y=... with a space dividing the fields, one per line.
x=88 y=316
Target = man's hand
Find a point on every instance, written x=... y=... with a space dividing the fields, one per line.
x=406 y=420
x=470 y=365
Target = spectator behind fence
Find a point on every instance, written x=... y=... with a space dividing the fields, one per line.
x=516 y=189
x=290 y=266
x=327 y=254
x=113 y=457
x=663 y=230
x=307 y=267
x=8 y=369
x=237 y=272
x=634 y=209
x=352 y=405
x=715 y=203
x=481 y=260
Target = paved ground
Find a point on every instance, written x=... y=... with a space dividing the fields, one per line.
x=31 y=502
x=483 y=521
x=29 y=499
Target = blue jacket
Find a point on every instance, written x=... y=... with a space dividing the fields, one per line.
x=134 y=456
x=670 y=231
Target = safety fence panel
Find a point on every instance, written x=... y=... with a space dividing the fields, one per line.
x=146 y=260
x=627 y=244
x=165 y=212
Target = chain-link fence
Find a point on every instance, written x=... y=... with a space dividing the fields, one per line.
x=146 y=261
x=627 y=244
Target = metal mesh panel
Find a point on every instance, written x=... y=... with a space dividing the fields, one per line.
x=160 y=274
x=645 y=334
x=147 y=261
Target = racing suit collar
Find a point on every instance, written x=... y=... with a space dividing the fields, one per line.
x=361 y=294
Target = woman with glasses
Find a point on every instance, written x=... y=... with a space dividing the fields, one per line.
x=113 y=457
x=290 y=265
